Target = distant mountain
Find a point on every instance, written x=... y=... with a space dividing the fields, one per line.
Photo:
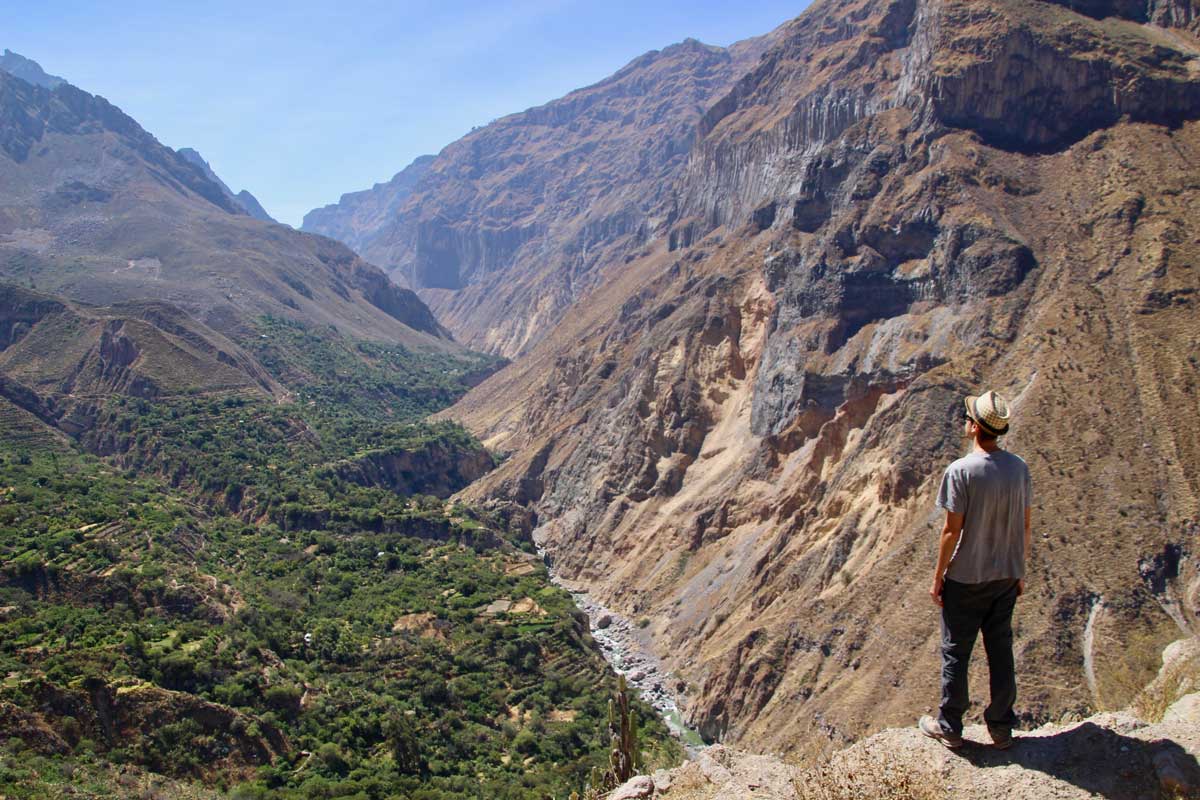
x=508 y=226
x=358 y=216
x=246 y=201
x=28 y=70
x=92 y=207
x=252 y=206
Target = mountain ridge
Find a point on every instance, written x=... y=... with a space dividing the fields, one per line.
x=28 y=70
x=148 y=223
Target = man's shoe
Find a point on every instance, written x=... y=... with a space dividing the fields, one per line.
x=1002 y=738
x=930 y=727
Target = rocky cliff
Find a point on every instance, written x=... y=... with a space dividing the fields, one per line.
x=435 y=468
x=357 y=216
x=1149 y=750
x=510 y=225
x=738 y=435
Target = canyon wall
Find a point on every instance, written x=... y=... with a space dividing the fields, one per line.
x=739 y=434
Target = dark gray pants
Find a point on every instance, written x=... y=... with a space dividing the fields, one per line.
x=967 y=609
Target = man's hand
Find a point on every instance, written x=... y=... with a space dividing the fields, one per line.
x=951 y=533
x=1020 y=587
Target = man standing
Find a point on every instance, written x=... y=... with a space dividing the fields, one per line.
x=980 y=570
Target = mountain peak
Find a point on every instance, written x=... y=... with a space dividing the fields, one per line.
x=28 y=70
x=243 y=199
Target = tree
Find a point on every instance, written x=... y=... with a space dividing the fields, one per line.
x=404 y=740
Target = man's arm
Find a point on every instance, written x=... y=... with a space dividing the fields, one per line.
x=1028 y=545
x=951 y=533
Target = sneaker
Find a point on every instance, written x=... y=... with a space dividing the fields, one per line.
x=1002 y=738
x=930 y=727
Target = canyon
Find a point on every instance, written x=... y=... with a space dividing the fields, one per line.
x=508 y=227
x=712 y=318
x=736 y=427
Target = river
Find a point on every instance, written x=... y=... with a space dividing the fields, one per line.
x=630 y=655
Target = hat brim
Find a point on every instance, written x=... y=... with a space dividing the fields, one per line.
x=969 y=402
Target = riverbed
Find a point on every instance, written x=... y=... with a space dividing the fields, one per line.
x=628 y=651
x=629 y=654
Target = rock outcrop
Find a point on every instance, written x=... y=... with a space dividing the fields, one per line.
x=243 y=200
x=434 y=468
x=225 y=741
x=1113 y=755
x=739 y=433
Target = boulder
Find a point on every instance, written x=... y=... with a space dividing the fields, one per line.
x=640 y=786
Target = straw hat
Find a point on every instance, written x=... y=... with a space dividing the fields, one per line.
x=990 y=410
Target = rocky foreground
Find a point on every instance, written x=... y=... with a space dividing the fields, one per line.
x=1118 y=756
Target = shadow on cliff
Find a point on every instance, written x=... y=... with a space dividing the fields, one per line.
x=1094 y=758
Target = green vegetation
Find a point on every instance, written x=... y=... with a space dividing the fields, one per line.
x=347 y=378
x=213 y=608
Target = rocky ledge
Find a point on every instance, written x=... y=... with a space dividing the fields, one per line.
x=1116 y=755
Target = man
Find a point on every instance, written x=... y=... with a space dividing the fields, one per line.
x=980 y=570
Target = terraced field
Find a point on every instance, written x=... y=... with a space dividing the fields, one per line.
x=21 y=431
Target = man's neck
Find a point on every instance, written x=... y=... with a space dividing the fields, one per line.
x=986 y=446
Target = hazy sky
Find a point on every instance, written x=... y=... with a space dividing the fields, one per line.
x=301 y=101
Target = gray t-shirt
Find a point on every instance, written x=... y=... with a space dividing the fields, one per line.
x=991 y=491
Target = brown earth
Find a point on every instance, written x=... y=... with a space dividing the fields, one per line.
x=227 y=742
x=739 y=434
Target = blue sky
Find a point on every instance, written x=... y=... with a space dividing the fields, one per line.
x=301 y=101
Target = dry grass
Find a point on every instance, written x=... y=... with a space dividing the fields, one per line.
x=887 y=778
x=1127 y=673
x=1176 y=680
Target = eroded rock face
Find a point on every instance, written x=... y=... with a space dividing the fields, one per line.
x=1048 y=80
x=740 y=438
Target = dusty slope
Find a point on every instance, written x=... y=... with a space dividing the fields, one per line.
x=508 y=226
x=61 y=362
x=1110 y=755
x=739 y=436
